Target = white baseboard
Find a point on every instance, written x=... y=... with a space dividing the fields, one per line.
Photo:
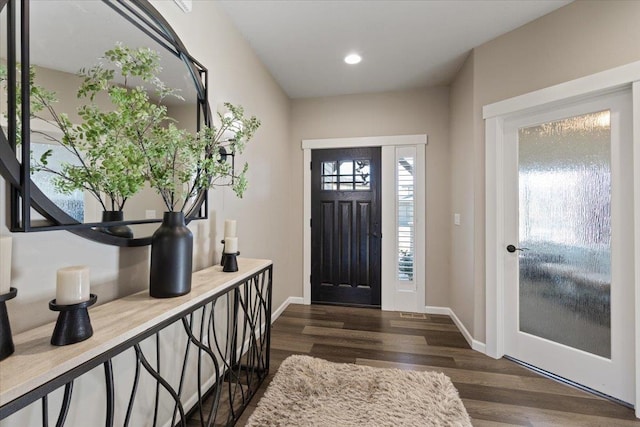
x=479 y=346
x=475 y=344
x=437 y=310
x=278 y=311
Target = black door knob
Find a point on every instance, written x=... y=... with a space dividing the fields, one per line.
x=512 y=249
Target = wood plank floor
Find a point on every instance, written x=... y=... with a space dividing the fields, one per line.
x=495 y=392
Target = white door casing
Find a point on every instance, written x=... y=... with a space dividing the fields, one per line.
x=395 y=295
x=495 y=115
x=606 y=375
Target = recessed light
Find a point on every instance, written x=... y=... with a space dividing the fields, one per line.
x=352 y=59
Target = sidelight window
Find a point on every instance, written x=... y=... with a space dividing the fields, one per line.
x=405 y=193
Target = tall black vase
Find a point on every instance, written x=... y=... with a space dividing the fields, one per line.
x=115 y=230
x=171 y=257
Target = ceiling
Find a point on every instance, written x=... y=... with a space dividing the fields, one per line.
x=404 y=44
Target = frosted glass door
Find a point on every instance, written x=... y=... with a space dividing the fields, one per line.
x=568 y=249
x=564 y=180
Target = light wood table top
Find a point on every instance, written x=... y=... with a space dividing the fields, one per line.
x=36 y=361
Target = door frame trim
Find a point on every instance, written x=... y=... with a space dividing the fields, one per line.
x=371 y=141
x=495 y=115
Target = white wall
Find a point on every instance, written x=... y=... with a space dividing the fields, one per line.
x=379 y=114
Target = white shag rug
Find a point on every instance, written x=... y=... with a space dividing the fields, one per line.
x=313 y=392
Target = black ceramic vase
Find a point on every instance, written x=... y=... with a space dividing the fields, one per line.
x=171 y=257
x=115 y=230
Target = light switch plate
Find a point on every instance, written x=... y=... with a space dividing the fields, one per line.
x=456 y=218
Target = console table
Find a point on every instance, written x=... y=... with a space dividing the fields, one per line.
x=157 y=360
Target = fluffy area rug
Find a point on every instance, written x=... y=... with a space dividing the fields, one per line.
x=313 y=392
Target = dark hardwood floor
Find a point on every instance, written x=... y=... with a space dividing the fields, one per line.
x=495 y=392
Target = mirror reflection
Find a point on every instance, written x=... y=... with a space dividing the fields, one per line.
x=79 y=103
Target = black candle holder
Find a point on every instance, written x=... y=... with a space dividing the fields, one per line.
x=6 y=340
x=224 y=257
x=73 y=324
x=230 y=262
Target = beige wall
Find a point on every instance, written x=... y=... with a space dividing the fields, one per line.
x=238 y=76
x=65 y=86
x=462 y=178
x=579 y=39
x=392 y=113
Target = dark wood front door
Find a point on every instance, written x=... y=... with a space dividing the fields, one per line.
x=345 y=226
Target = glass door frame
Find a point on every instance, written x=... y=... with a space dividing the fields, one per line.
x=494 y=116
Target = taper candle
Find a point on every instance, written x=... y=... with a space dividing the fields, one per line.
x=229 y=228
x=230 y=245
x=5 y=264
x=72 y=285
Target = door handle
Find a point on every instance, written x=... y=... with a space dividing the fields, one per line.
x=375 y=235
x=512 y=249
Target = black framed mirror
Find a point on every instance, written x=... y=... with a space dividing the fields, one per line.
x=47 y=44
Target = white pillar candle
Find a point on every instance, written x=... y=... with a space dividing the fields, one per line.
x=230 y=245
x=5 y=264
x=72 y=285
x=229 y=228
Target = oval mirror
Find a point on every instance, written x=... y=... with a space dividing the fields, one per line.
x=65 y=40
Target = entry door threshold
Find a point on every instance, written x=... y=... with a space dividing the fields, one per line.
x=346 y=304
x=568 y=382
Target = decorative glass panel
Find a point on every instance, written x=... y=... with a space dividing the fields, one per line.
x=565 y=222
x=405 y=202
x=348 y=176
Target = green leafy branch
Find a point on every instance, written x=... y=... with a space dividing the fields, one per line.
x=111 y=166
x=137 y=141
x=180 y=164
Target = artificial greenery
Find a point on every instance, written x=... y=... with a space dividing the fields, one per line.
x=41 y=98
x=176 y=163
x=136 y=141
x=105 y=143
x=180 y=164
x=108 y=141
